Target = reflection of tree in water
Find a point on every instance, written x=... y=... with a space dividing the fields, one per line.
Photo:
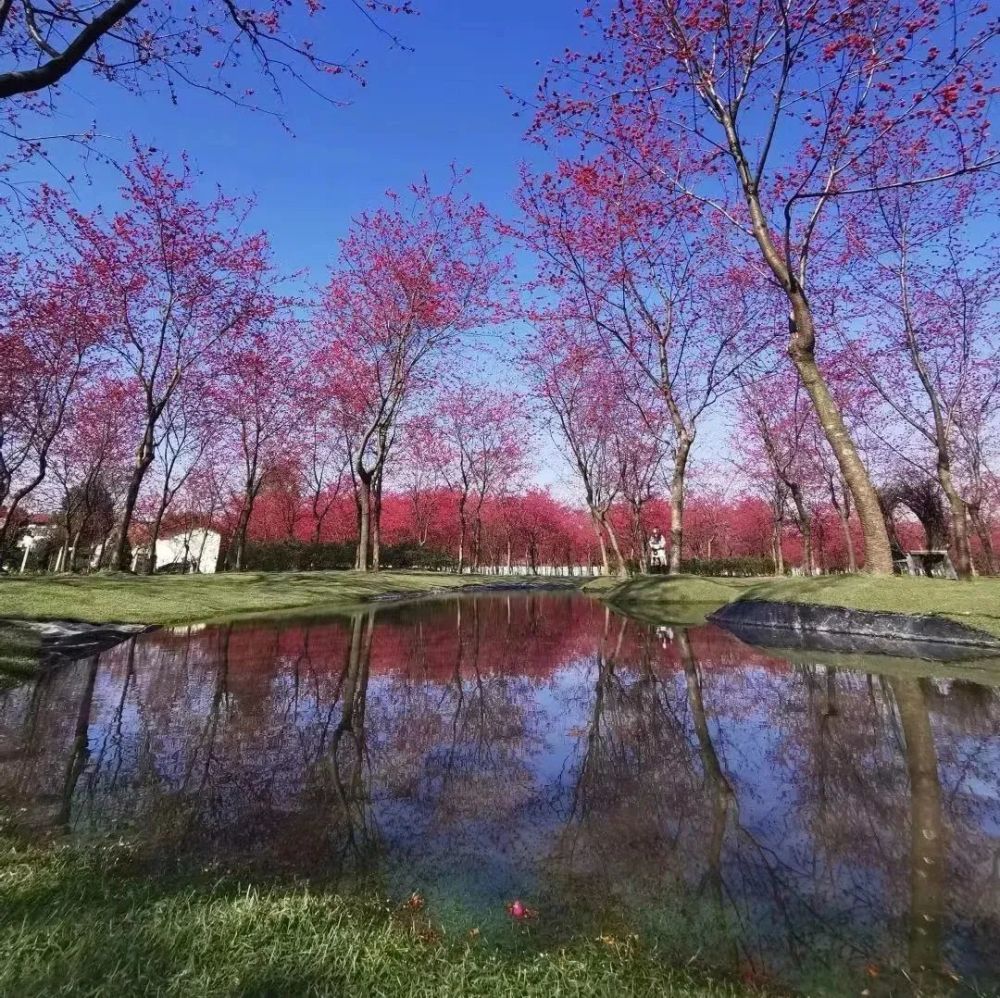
x=781 y=818
x=899 y=849
x=454 y=751
x=650 y=801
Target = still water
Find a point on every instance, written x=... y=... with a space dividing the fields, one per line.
x=824 y=823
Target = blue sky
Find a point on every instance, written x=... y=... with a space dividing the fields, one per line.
x=443 y=102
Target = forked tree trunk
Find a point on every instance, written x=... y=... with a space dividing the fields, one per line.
x=144 y=458
x=238 y=560
x=960 y=550
x=778 y=554
x=595 y=520
x=622 y=570
x=615 y=546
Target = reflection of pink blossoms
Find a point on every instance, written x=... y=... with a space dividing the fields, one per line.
x=519 y=911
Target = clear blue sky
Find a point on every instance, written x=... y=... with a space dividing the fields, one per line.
x=441 y=103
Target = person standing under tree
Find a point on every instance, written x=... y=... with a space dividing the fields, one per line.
x=657 y=549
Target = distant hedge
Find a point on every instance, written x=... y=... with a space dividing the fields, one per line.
x=302 y=556
x=738 y=567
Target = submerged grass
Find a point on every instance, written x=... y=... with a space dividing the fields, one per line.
x=74 y=923
x=19 y=650
x=176 y=599
x=975 y=603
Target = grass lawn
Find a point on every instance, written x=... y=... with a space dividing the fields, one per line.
x=177 y=599
x=975 y=603
x=78 y=923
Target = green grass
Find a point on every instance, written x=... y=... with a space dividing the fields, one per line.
x=80 y=923
x=975 y=603
x=19 y=649
x=177 y=599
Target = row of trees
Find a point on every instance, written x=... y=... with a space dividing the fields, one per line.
x=157 y=360
x=781 y=216
x=158 y=370
x=789 y=205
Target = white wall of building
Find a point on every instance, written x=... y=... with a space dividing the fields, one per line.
x=199 y=547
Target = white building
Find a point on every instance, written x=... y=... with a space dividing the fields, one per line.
x=198 y=548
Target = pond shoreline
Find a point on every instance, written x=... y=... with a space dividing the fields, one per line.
x=74 y=631
x=883 y=611
x=114 y=598
x=834 y=628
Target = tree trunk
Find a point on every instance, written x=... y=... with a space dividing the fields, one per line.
x=844 y=516
x=804 y=523
x=982 y=529
x=364 y=521
x=960 y=550
x=144 y=459
x=677 y=487
x=238 y=553
x=613 y=537
x=375 y=526
x=477 y=542
x=801 y=349
x=779 y=555
x=595 y=520
x=154 y=537
x=462 y=531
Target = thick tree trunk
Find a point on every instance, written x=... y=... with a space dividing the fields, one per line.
x=801 y=349
x=595 y=520
x=677 y=490
x=960 y=550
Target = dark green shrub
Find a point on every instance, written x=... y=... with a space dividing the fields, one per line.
x=739 y=567
x=305 y=556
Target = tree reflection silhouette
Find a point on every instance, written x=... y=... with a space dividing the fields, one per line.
x=790 y=821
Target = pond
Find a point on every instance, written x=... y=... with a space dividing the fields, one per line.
x=826 y=823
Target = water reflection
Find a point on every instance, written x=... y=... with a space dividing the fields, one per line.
x=816 y=824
